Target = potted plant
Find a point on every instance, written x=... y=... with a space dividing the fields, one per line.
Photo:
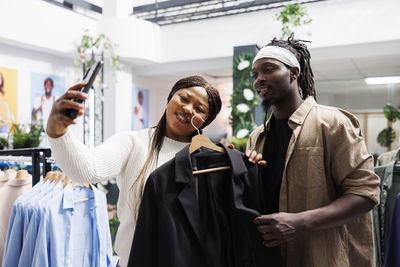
x=387 y=136
x=291 y=16
x=26 y=136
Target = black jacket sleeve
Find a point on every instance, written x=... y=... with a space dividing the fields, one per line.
x=144 y=246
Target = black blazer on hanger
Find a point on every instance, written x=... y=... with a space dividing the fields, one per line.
x=168 y=229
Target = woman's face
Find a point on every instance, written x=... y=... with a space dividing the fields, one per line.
x=184 y=104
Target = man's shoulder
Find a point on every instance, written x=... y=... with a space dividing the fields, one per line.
x=333 y=115
x=257 y=131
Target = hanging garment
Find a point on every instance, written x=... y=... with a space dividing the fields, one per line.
x=51 y=226
x=382 y=214
x=175 y=211
x=3 y=179
x=392 y=256
x=8 y=194
x=18 y=223
x=388 y=157
x=32 y=218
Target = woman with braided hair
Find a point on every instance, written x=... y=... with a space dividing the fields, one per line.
x=131 y=156
x=319 y=181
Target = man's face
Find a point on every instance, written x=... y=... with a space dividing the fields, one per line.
x=140 y=98
x=48 y=87
x=271 y=81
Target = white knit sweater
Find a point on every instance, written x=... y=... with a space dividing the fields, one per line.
x=121 y=157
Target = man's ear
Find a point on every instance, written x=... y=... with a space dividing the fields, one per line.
x=294 y=72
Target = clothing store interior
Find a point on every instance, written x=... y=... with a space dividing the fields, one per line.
x=200 y=133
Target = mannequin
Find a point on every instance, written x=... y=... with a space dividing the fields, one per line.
x=9 y=174
x=22 y=174
x=3 y=178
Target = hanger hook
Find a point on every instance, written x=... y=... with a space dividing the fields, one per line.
x=191 y=121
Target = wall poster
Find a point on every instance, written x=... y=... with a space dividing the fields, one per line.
x=8 y=99
x=140 y=110
x=45 y=89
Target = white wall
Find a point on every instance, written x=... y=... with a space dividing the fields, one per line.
x=335 y=22
x=42 y=25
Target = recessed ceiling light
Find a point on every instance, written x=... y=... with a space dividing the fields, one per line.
x=383 y=80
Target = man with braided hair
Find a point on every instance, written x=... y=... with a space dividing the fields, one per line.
x=319 y=181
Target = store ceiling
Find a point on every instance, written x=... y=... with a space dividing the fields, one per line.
x=178 y=11
x=336 y=69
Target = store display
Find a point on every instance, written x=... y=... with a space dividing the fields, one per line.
x=58 y=223
x=17 y=184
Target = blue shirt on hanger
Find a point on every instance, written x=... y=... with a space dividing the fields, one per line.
x=30 y=236
x=15 y=231
x=74 y=233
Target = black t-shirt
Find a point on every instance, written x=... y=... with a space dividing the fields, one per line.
x=274 y=152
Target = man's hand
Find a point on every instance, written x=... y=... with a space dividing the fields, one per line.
x=255 y=157
x=278 y=228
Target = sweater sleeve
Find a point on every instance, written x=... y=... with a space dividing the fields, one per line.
x=84 y=165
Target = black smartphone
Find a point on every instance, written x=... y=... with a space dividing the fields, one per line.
x=88 y=78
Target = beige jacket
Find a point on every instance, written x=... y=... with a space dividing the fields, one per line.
x=326 y=158
x=9 y=192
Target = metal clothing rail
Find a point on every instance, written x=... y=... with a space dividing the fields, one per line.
x=37 y=156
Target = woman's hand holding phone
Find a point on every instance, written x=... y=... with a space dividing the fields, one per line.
x=58 y=122
x=70 y=105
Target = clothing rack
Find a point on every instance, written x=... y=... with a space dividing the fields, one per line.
x=37 y=156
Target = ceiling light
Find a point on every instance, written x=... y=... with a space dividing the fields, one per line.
x=383 y=80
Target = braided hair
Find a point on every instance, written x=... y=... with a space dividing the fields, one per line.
x=157 y=139
x=305 y=80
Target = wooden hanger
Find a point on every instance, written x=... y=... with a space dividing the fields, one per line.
x=86 y=198
x=201 y=140
x=48 y=175
x=22 y=174
x=60 y=177
x=54 y=176
x=66 y=182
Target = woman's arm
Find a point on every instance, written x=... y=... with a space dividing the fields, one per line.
x=84 y=165
x=78 y=162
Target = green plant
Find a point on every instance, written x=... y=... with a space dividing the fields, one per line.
x=244 y=98
x=3 y=142
x=292 y=15
x=242 y=65
x=26 y=136
x=387 y=136
x=391 y=113
x=240 y=144
x=90 y=44
x=113 y=220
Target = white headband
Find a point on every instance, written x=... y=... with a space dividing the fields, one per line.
x=278 y=53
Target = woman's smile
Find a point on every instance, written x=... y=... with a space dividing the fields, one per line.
x=181 y=117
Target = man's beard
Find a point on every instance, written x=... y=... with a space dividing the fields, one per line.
x=266 y=104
